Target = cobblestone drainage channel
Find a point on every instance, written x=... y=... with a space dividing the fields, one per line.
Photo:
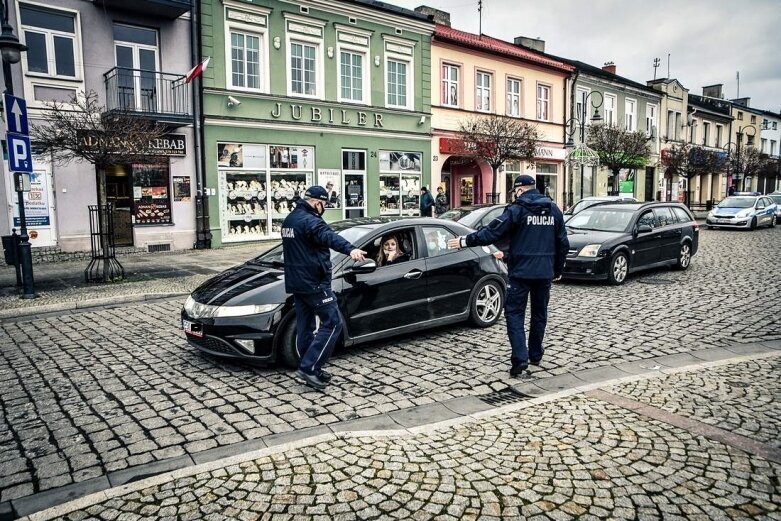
x=504 y=397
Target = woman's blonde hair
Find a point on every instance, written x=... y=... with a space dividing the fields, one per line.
x=381 y=253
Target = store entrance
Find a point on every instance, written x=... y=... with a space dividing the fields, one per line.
x=466 y=190
x=119 y=183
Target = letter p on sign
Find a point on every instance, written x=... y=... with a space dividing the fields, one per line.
x=19 y=155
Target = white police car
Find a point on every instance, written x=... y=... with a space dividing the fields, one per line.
x=743 y=211
x=776 y=198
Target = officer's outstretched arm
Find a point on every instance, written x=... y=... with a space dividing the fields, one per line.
x=496 y=230
x=323 y=235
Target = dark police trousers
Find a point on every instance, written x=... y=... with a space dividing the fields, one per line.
x=315 y=349
x=515 y=312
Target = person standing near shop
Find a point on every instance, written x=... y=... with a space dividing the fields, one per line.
x=534 y=226
x=440 y=203
x=306 y=241
x=426 y=202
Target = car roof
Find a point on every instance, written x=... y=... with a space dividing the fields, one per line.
x=371 y=223
x=633 y=206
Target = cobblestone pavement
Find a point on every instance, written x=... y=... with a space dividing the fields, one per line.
x=572 y=458
x=89 y=393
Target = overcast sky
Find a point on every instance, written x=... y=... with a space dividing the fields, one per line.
x=708 y=40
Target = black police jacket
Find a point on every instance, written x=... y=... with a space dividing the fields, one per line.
x=534 y=226
x=306 y=244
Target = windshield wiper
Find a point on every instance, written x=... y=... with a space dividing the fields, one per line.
x=274 y=263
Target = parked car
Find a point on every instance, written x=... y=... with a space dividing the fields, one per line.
x=474 y=216
x=588 y=202
x=776 y=198
x=744 y=211
x=244 y=312
x=610 y=241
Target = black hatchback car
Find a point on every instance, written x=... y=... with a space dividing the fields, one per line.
x=610 y=241
x=245 y=313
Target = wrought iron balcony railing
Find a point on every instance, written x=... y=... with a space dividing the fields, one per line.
x=159 y=95
x=169 y=9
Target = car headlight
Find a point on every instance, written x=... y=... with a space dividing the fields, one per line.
x=590 y=250
x=240 y=311
x=744 y=213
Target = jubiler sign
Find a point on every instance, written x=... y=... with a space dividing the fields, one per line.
x=167 y=145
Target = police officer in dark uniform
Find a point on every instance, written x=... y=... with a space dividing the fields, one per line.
x=538 y=247
x=306 y=241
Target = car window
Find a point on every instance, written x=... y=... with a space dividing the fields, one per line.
x=490 y=216
x=776 y=199
x=737 y=202
x=664 y=216
x=601 y=219
x=681 y=214
x=436 y=240
x=405 y=246
x=647 y=219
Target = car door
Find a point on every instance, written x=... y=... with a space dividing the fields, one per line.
x=451 y=273
x=646 y=246
x=670 y=233
x=765 y=210
x=392 y=296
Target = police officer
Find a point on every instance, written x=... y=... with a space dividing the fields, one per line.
x=534 y=226
x=306 y=240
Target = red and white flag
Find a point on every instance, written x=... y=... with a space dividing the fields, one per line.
x=197 y=70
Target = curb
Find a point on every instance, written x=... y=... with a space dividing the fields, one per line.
x=405 y=422
x=86 y=304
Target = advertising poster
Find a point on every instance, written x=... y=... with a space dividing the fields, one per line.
x=331 y=180
x=36 y=203
x=254 y=156
x=230 y=155
x=182 y=189
x=400 y=161
x=151 y=199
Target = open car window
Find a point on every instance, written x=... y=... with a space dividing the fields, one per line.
x=405 y=239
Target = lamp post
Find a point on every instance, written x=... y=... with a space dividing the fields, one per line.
x=737 y=152
x=580 y=121
x=11 y=52
x=728 y=149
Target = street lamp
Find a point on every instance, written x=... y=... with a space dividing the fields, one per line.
x=728 y=149
x=737 y=152
x=11 y=50
x=581 y=154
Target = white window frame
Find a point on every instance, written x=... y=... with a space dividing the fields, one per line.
x=317 y=43
x=448 y=82
x=763 y=145
x=483 y=89
x=78 y=60
x=719 y=131
x=365 y=73
x=581 y=94
x=410 y=63
x=773 y=144
x=650 y=119
x=510 y=96
x=678 y=125
x=693 y=136
x=630 y=116
x=705 y=133
x=611 y=116
x=543 y=101
x=256 y=30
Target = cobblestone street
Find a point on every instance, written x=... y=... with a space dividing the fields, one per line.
x=99 y=392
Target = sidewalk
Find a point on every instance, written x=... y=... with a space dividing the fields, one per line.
x=60 y=285
x=700 y=441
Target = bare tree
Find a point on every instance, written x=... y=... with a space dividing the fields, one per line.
x=691 y=161
x=747 y=162
x=496 y=139
x=618 y=148
x=85 y=130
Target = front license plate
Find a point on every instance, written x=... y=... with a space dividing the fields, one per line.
x=191 y=328
x=722 y=220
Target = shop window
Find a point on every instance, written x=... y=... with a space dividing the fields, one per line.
x=400 y=182
x=151 y=194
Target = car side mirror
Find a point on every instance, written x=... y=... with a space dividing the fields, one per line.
x=760 y=207
x=363 y=267
x=644 y=228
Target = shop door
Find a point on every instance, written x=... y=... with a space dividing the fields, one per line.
x=354 y=178
x=649 y=184
x=136 y=55
x=466 y=190
x=119 y=194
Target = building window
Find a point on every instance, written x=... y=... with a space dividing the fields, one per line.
x=772 y=147
x=630 y=115
x=483 y=92
x=740 y=116
x=705 y=133
x=581 y=112
x=650 y=120
x=513 y=97
x=351 y=65
x=775 y=125
x=763 y=145
x=50 y=37
x=719 y=130
x=678 y=126
x=450 y=85
x=693 y=135
x=750 y=141
x=753 y=120
x=610 y=110
x=398 y=83
x=245 y=60
x=136 y=54
x=543 y=102
x=303 y=69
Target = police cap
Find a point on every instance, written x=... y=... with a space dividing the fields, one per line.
x=316 y=192
x=524 y=180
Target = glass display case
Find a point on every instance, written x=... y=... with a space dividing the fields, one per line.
x=244 y=204
x=400 y=182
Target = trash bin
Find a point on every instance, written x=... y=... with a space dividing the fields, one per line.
x=11 y=249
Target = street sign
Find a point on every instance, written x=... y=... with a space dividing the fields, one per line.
x=16 y=115
x=19 y=153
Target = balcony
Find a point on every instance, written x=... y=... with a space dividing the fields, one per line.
x=169 y=9
x=164 y=97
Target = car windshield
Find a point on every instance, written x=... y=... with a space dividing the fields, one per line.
x=456 y=213
x=737 y=202
x=601 y=219
x=275 y=257
x=582 y=205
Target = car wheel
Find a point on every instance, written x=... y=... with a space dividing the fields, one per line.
x=487 y=304
x=754 y=223
x=684 y=257
x=286 y=342
x=619 y=268
x=773 y=222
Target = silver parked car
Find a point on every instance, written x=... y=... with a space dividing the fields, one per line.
x=744 y=211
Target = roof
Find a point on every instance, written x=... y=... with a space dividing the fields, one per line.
x=601 y=73
x=376 y=4
x=713 y=105
x=501 y=47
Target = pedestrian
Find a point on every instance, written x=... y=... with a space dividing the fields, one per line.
x=440 y=203
x=534 y=226
x=731 y=190
x=306 y=240
x=426 y=202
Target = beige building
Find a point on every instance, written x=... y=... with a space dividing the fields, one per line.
x=710 y=124
x=672 y=131
x=476 y=74
x=746 y=130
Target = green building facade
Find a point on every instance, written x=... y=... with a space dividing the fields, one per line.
x=313 y=92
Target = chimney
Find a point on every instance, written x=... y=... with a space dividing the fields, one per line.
x=713 y=91
x=440 y=17
x=609 y=67
x=530 y=43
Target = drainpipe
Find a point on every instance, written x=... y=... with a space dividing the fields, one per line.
x=203 y=235
x=569 y=181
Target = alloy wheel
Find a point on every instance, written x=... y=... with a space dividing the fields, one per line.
x=488 y=303
x=686 y=256
x=620 y=268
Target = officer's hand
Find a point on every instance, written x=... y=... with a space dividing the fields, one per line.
x=499 y=255
x=454 y=244
x=357 y=254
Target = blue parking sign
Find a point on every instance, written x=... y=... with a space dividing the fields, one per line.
x=19 y=154
x=16 y=115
